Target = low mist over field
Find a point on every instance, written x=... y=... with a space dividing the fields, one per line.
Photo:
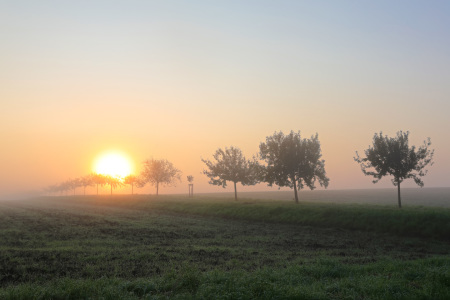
x=437 y=197
x=224 y=149
x=176 y=81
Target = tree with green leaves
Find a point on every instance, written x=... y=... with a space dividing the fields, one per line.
x=158 y=172
x=293 y=162
x=393 y=156
x=231 y=165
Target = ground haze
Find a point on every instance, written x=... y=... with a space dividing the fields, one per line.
x=436 y=197
x=202 y=248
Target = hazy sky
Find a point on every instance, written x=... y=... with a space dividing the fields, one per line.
x=178 y=79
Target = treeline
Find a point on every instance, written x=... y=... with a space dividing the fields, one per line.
x=91 y=180
x=284 y=160
x=155 y=172
x=293 y=162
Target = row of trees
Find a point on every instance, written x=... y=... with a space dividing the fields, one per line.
x=293 y=162
x=290 y=161
x=283 y=160
x=155 y=172
x=90 y=180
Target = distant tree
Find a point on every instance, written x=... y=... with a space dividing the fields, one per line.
x=231 y=165
x=98 y=179
x=72 y=184
x=158 y=172
x=63 y=187
x=86 y=181
x=131 y=180
x=190 y=179
x=51 y=189
x=113 y=182
x=393 y=156
x=293 y=162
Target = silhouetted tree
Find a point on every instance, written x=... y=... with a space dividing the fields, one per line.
x=98 y=179
x=52 y=189
x=113 y=182
x=131 y=180
x=158 y=172
x=190 y=179
x=293 y=162
x=63 y=187
x=86 y=181
x=72 y=184
x=231 y=165
x=393 y=156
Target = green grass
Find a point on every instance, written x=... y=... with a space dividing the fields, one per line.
x=411 y=221
x=178 y=248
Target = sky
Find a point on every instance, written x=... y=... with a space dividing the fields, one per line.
x=177 y=80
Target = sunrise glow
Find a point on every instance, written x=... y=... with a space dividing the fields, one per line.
x=113 y=164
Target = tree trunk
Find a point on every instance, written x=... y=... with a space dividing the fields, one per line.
x=157 y=188
x=84 y=191
x=132 y=186
x=399 y=197
x=97 y=189
x=235 y=192
x=111 y=189
x=295 y=191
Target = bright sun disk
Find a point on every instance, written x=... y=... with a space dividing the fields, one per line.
x=113 y=164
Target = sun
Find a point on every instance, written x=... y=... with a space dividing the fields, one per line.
x=113 y=164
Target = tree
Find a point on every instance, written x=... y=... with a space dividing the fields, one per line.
x=131 y=180
x=190 y=179
x=72 y=184
x=158 y=172
x=98 y=179
x=393 y=156
x=113 y=182
x=86 y=181
x=293 y=162
x=231 y=165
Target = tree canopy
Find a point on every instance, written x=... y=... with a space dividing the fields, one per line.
x=393 y=156
x=113 y=182
x=158 y=172
x=231 y=165
x=131 y=180
x=293 y=162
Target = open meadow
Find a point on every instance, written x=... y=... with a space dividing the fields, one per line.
x=436 y=197
x=175 y=247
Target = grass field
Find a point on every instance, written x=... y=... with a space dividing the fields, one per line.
x=172 y=247
x=427 y=196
